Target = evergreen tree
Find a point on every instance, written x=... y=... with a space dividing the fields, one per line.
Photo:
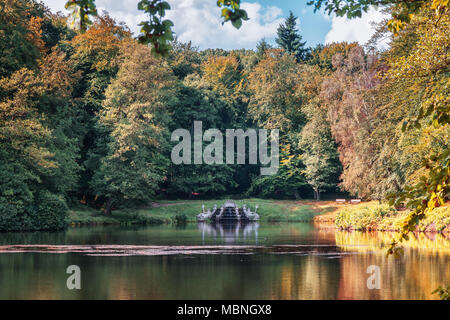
x=289 y=39
x=261 y=47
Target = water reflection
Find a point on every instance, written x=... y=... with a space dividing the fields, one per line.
x=377 y=241
x=338 y=272
x=231 y=232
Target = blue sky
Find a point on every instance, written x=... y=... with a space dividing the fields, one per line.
x=199 y=21
x=313 y=26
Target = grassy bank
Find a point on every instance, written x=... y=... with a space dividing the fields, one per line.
x=369 y=216
x=169 y=211
x=373 y=216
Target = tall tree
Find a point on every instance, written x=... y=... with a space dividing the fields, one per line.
x=319 y=150
x=276 y=99
x=136 y=117
x=184 y=59
x=322 y=56
x=38 y=151
x=290 y=40
x=20 y=35
x=261 y=47
x=275 y=103
x=351 y=112
x=95 y=55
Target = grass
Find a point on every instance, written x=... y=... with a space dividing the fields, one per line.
x=89 y=216
x=173 y=211
x=364 y=216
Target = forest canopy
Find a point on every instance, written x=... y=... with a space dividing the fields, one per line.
x=86 y=115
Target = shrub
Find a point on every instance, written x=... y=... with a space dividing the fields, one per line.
x=180 y=219
x=13 y=218
x=382 y=217
x=363 y=217
x=50 y=212
x=47 y=212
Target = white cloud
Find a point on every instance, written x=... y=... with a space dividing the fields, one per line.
x=359 y=30
x=55 y=5
x=198 y=21
x=123 y=11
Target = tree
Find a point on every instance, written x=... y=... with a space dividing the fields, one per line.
x=276 y=100
x=59 y=115
x=421 y=85
x=23 y=155
x=39 y=148
x=95 y=56
x=38 y=151
x=261 y=47
x=225 y=77
x=158 y=32
x=319 y=151
x=184 y=59
x=288 y=182
x=197 y=101
x=136 y=117
x=275 y=103
x=322 y=56
x=289 y=39
x=20 y=36
x=351 y=113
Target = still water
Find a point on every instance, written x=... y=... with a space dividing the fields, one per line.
x=203 y=261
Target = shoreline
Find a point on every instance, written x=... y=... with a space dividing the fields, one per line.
x=175 y=212
x=373 y=216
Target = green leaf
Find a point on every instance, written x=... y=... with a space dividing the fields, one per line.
x=237 y=23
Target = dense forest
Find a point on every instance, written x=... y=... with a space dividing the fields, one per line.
x=87 y=116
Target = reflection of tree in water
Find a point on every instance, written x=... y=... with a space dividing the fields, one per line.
x=230 y=232
x=421 y=269
x=377 y=241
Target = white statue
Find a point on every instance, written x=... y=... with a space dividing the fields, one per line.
x=204 y=215
x=201 y=217
x=250 y=215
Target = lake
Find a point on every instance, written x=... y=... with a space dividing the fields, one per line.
x=203 y=261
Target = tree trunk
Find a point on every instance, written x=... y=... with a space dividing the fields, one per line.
x=316 y=194
x=108 y=207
